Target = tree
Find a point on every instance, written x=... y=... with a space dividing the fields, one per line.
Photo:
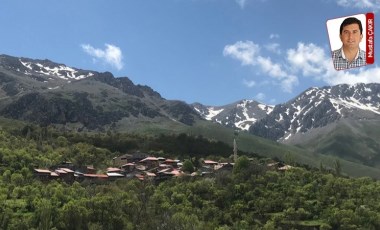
x=241 y=165
x=182 y=221
x=73 y=216
x=337 y=167
x=44 y=214
x=7 y=176
x=62 y=141
x=17 y=179
x=289 y=158
x=188 y=166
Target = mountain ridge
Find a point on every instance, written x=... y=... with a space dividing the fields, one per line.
x=318 y=107
x=313 y=108
x=97 y=99
x=238 y=115
x=339 y=121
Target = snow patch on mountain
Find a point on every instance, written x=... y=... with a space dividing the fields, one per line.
x=240 y=115
x=212 y=112
x=354 y=103
x=319 y=107
x=60 y=71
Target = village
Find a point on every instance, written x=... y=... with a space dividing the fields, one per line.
x=138 y=165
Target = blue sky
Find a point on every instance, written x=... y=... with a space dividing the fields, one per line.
x=210 y=51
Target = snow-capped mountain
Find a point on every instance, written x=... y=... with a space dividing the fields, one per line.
x=46 y=92
x=51 y=69
x=319 y=107
x=43 y=70
x=238 y=115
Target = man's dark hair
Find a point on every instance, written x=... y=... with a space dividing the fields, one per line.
x=349 y=21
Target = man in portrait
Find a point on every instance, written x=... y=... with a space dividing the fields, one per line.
x=349 y=55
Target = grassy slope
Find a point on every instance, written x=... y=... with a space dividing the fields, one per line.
x=8 y=124
x=357 y=141
x=246 y=142
x=267 y=148
x=249 y=143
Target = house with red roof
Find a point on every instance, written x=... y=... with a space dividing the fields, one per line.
x=65 y=174
x=209 y=164
x=42 y=174
x=150 y=162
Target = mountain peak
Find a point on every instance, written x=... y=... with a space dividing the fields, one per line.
x=49 y=68
x=320 y=107
x=46 y=92
x=238 y=115
x=43 y=70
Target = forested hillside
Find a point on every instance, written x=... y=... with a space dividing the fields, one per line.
x=250 y=197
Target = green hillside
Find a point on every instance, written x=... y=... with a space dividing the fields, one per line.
x=356 y=141
x=253 y=144
x=250 y=196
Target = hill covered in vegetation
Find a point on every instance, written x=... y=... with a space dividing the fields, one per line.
x=250 y=197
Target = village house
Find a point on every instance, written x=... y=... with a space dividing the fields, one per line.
x=113 y=170
x=225 y=167
x=147 y=168
x=66 y=164
x=65 y=174
x=43 y=174
x=285 y=168
x=128 y=167
x=168 y=173
x=171 y=162
x=95 y=177
x=150 y=162
x=114 y=175
x=120 y=160
x=278 y=166
x=128 y=158
x=275 y=165
x=209 y=164
x=90 y=169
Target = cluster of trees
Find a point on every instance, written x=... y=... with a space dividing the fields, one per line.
x=182 y=146
x=249 y=197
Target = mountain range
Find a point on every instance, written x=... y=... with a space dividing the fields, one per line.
x=239 y=115
x=45 y=92
x=342 y=120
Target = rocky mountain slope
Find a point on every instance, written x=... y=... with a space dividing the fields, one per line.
x=320 y=107
x=342 y=120
x=45 y=92
x=238 y=115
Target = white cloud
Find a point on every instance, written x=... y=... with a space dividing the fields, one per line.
x=111 y=55
x=248 y=53
x=288 y=83
x=241 y=3
x=242 y=51
x=362 y=75
x=260 y=96
x=312 y=61
x=273 y=101
x=249 y=83
x=306 y=60
x=273 y=69
x=362 y=4
x=273 y=47
x=272 y=36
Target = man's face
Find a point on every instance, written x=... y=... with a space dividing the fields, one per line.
x=351 y=36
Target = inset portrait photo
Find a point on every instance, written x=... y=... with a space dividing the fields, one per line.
x=351 y=41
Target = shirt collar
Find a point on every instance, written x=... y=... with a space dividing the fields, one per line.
x=359 y=54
